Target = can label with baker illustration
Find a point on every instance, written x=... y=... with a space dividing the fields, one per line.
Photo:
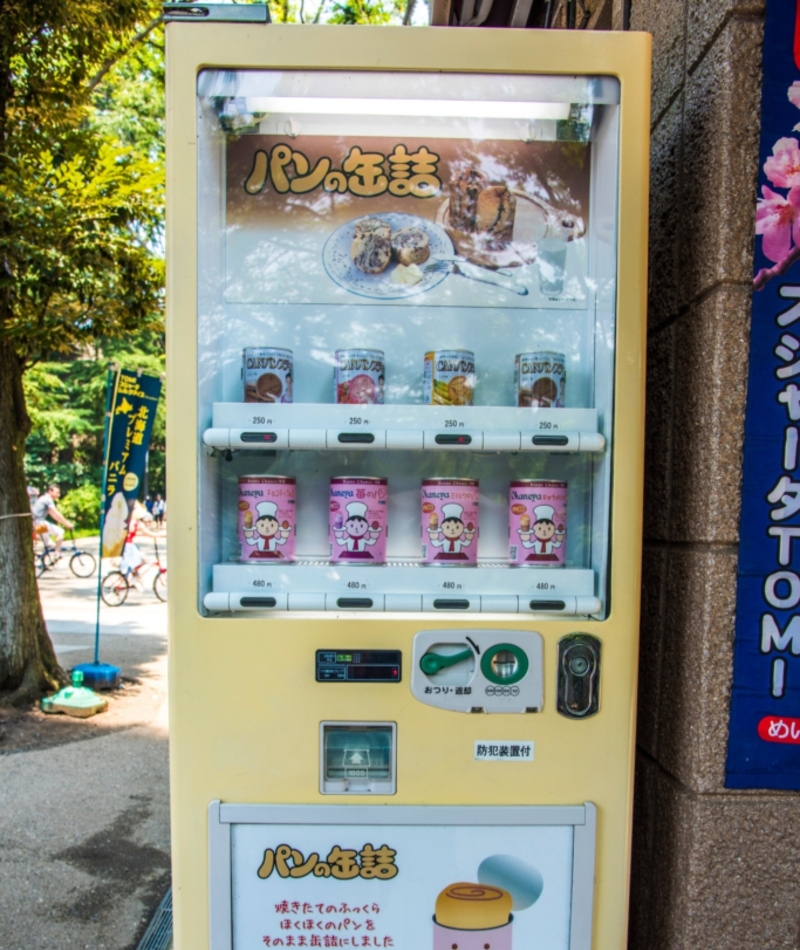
x=267 y=505
x=358 y=520
x=358 y=377
x=450 y=521
x=449 y=378
x=540 y=379
x=267 y=374
x=537 y=523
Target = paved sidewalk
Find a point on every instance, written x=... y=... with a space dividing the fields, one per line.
x=85 y=824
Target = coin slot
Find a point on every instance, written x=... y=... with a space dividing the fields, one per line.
x=504 y=664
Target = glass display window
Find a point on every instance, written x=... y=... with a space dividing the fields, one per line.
x=406 y=338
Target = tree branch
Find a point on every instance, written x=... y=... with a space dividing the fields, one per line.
x=101 y=73
x=766 y=274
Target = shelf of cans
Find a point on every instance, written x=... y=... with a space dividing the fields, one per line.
x=358 y=418
x=269 y=577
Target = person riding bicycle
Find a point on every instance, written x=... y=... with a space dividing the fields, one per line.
x=44 y=508
x=132 y=557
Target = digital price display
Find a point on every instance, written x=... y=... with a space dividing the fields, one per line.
x=358 y=666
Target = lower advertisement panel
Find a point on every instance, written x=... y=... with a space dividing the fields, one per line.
x=406 y=877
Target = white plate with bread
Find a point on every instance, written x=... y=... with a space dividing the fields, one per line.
x=387 y=255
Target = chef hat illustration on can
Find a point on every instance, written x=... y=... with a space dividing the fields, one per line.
x=356 y=509
x=452 y=511
x=544 y=512
x=473 y=916
x=267 y=509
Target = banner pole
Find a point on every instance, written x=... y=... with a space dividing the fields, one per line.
x=113 y=372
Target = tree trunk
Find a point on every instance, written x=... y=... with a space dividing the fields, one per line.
x=28 y=664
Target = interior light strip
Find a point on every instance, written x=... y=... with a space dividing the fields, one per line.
x=444 y=108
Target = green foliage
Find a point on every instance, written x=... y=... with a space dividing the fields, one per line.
x=338 y=11
x=81 y=217
x=81 y=198
x=82 y=506
x=360 y=11
x=66 y=401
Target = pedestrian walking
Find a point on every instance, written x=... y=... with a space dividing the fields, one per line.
x=159 y=507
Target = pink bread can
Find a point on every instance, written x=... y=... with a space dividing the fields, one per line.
x=357 y=532
x=472 y=917
x=266 y=518
x=450 y=521
x=498 y=938
x=537 y=523
x=358 y=377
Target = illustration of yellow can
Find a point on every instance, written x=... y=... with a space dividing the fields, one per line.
x=449 y=378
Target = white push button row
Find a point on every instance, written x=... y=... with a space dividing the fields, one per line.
x=455 y=602
x=410 y=439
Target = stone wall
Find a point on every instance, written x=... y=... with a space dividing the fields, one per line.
x=712 y=869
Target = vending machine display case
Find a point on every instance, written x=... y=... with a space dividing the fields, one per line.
x=276 y=268
x=400 y=191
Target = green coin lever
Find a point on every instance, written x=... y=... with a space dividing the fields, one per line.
x=432 y=663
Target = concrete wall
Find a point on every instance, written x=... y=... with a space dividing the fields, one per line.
x=712 y=869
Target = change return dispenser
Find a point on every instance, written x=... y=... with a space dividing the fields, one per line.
x=406 y=311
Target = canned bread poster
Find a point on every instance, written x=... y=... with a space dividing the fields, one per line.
x=405 y=887
x=436 y=222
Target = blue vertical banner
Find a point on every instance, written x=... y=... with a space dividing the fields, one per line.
x=132 y=412
x=764 y=736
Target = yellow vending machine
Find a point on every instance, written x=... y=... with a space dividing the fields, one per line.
x=406 y=311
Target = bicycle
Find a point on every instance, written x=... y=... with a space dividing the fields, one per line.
x=116 y=584
x=81 y=563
